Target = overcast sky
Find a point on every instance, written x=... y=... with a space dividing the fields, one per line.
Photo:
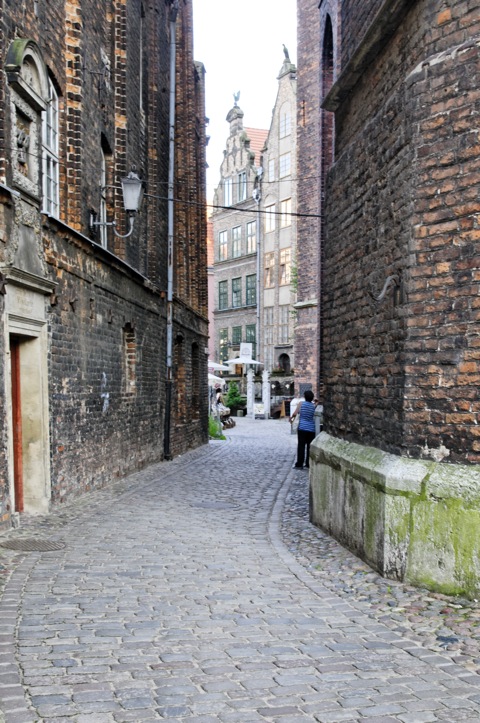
x=240 y=43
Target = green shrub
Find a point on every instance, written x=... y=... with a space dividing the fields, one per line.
x=233 y=397
x=215 y=428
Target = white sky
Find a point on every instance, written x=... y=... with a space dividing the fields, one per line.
x=240 y=43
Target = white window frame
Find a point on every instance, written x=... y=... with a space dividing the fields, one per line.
x=285 y=162
x=242 y=186
x=251 y=237
x=271 y=169
x=285 y=267
x=284 y=324
x=227 y=192
x=285 y=128
x=51 y=162
x=269 y=266
x=236 y=242
x=286 y=212
x=223 y=245
x=270 y=218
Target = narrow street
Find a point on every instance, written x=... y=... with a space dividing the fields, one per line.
x=198 y=590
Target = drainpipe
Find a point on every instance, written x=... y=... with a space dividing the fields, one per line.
x=259 y=286
x=167 y=454
x=257 y=196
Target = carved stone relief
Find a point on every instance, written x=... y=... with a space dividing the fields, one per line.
x=26 y=150
x=28 y=86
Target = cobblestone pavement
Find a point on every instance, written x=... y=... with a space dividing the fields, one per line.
x=198 y=590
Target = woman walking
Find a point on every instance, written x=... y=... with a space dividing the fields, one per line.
x=306 y=428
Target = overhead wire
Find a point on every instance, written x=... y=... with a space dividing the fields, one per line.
x=206 y=205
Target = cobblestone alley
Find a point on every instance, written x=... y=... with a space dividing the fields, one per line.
x=197 y=590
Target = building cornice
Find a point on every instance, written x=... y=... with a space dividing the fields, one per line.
x=381 y=30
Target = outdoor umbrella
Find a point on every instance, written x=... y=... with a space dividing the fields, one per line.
x=215 y=367
x=242 y=360
x=212 y=380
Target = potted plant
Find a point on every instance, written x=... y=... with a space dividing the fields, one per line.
x=234 y=399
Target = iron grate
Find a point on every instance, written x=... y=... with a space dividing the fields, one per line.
x=33 y=545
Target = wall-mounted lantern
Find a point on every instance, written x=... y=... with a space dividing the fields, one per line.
x=132 y=189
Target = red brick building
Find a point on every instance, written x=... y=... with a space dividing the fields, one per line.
x=399 y=281
x=86 y=307
x=318 y=58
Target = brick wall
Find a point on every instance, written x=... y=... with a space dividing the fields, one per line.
x=107 y=316
x=356 y=21
x=402 y=374
x=314 y=131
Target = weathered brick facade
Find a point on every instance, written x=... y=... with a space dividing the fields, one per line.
x=395 y=475
x=317 y=28
x=402 y=374
x=84 y=341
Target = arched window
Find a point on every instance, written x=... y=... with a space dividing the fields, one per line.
x=327 y=82
x=285 y=125
x=284 y=363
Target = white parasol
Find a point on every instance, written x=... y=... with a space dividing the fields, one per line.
x=242 y=360
x=215 y=367
x=213 y=380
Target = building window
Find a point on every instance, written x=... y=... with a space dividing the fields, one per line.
x=251 y=338
x=181 y=410
x=268 y=329
x=195 y=376
x=269 y=266
x=285 y=160
x=242 y=186
x=223 y=245
x=286 y=212
x=236 y=335
x=227 y=192
x=236 y=241
x=103 y=200
x=236 y=292
x=223 y=344
x=251 y=237
x=271 y=170
x=285 y=121
x=269 y=218
x=251 y=289
x=223 y=294
x=283 y=324
x=268 y=324
x=130 y=359
x=285 y=267
x=50 y=154
x=284 y=363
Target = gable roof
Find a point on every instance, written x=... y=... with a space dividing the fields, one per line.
x=258 y=137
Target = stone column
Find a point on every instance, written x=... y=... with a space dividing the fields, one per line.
x=250 y=393
x=266 y=393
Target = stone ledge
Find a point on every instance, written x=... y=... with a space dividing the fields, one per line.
x=412 y=520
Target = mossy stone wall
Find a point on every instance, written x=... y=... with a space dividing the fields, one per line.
x=412 y=520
